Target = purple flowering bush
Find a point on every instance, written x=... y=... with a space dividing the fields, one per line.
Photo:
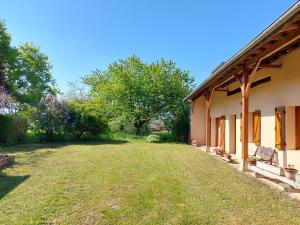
x=51 y=117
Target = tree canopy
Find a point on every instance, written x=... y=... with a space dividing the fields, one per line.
x=128 y=95
x=139 y=92
x=25 y=71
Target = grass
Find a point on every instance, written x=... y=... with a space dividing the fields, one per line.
x=133 y=183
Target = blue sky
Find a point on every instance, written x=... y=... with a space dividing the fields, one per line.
x=79 y=36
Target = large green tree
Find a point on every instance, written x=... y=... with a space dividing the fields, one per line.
x=7 y=54
x=32 y=79
x=139 y=92
x=25 y=71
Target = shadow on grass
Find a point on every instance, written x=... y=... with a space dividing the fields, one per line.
x=28 y=148
x=8 y=183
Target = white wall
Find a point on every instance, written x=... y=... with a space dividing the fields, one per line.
x=198 y=117
x=282 y=90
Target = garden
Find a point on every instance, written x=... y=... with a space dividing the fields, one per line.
x=124 y=99
x=111 y=149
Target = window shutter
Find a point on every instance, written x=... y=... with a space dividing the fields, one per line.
x=256 y=127
x=280 y=128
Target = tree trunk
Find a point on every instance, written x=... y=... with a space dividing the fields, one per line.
x=138 y=127
x=49 y=135
x=79 y=135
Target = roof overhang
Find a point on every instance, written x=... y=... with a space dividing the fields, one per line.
x=277 y=39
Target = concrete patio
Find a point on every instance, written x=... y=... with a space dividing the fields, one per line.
x=276 y=184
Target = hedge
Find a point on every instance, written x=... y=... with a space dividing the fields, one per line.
x=12 y=129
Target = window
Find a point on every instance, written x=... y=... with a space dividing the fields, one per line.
x=256 y=127
x=280 y=128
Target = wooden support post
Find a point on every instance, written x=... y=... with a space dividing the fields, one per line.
x=245 y=111
x=208 y=97
x=245 y=86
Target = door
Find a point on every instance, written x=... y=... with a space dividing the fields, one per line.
x=297 y=123
x=217 y=132
x=232 y=134
x=221 y=129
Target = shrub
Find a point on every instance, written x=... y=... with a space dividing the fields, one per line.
x=13 y=129
x=51 y=117
x=180 y=127
x=82 y=121
x=153 y=138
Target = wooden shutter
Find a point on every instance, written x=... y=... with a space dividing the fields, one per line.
x=256 y=127
x=222 y=132
x=280 y=128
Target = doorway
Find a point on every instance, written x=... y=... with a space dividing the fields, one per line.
x=232 y=134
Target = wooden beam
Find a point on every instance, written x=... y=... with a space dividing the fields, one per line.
x=239 y=79
x=288 y=39
x=270 y=66
x=291 y=27
x=225 y=90
x=245 y=111
x=208 y=97
x=253 y=84
x=261 y=53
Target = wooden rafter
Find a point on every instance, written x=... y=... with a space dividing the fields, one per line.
x=266 y=50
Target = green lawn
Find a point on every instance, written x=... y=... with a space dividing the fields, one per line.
x=134 y=183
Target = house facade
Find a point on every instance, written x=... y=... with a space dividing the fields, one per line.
x=254 y=98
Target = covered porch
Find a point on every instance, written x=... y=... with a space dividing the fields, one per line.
x=235 y=111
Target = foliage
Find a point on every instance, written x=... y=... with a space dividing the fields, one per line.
x=179 y=123
x=7 y=54
x=25 y=71
x=82 y=121
x=76 y=92
x=129 y=94
x=5 y=39
x=13 y=129
x=51 y=117
x=153 y=138
x=120 y=124
x=32 y=78
x=137 y=91
x=7 y=103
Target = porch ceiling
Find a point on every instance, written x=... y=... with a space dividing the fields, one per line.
x=281 y=37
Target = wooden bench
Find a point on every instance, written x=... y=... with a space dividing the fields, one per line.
x=266 y=155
